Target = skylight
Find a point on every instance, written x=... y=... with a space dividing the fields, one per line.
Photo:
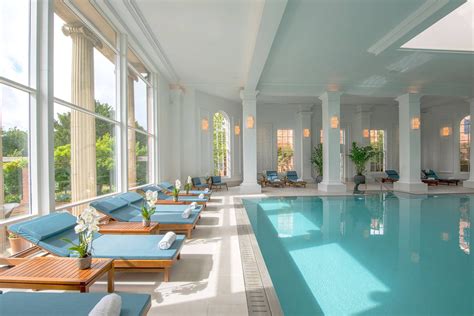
x=454 y=32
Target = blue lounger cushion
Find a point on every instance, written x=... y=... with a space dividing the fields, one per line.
x=71 y=304
x=109 y=205
x=130 y=214
x=163 y=196
x=167 y=187
x=105 y=246
x=132 y=198
x=169 y=218
x=39 y=229
x=392 y=174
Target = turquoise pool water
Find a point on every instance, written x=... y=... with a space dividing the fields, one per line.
x=381 y=254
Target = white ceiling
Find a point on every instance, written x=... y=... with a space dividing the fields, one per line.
x=319 y=45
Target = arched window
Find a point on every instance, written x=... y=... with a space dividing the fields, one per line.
x=464 y=143
x=221 y=145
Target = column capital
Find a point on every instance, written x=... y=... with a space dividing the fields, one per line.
x=78 y=29
x=330 y=96
x=247 y=95
x=409 y=98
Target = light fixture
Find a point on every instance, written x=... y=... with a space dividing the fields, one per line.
x=415 y=123
x=306 y=133
x=250 y=121
x=365 y=133
x=445 y=131
x=237 y=130
x=334 y=122
x=204 y=124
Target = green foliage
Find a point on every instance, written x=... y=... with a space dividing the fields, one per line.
x=82 y=248
x=285 y=158
x=188 y=187
x=220 y=144
x=14 y=143
x=317 y=158
x=360 y=156
x=12 y=179
x=147 y=211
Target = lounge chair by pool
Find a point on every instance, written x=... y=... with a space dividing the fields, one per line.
x=216 y=181
x=71 y=304
x=293 y=180
x=392 y=176
x=197 y=184
x=130 y=252
x=168 y=189
x=430 y=174
x=273 y=180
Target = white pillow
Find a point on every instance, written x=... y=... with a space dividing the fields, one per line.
x=109 y=305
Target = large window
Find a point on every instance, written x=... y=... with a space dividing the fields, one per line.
x=17 y=98
x=140 y=127
x=221 y=145
x=85 y=121
x=285 y=150
x=377 y=141
x=464 y=143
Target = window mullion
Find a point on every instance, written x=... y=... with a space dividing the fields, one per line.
x=122 y=103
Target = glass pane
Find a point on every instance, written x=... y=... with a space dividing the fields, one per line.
x=14 y=171
x=84 y=156
x=141 y=107
x=139 y=158
x=15 y=40
x=97 y=69
x=221 y=145
x=285 y=149
x=464 y=143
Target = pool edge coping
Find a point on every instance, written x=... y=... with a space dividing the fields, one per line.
x=266 y=281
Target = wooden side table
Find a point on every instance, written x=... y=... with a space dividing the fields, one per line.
x=128 y=228
x=55 y=273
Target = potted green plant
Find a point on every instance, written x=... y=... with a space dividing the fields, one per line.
x=148 y=208
x=317 y=161
x=87 y=225
x=17 y=243
x=360 y=155
x=176 y=190
x=188 y=185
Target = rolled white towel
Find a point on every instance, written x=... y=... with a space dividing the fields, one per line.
x=109 y=305
x=186 y=212
x=167 y=241
x=276 y=180
x=300 y=180
x=201 y=196
x=206 y=190
x=193 y=205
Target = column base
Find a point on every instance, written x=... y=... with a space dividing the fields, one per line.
x=468 y=184
x=250 y=188
x=411 y=187
x=332 y=187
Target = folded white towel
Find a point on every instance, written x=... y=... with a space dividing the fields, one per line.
x=193 y=205
x=201 y=196
x=109 y=305
x=206 y=190
x=300 y=180
x=276 y=180
x=167 y=241
x=186 y=212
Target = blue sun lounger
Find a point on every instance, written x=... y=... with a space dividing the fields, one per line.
x=126 y=208
x=292 y=179
x=130 y=252
x=163 y=198
x=168 y=188
x=71 y=304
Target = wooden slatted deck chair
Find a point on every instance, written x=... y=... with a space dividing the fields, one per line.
x=273 y=180
x=126 y=208
x=293 y=180
x=430 y=174
x=138 y=253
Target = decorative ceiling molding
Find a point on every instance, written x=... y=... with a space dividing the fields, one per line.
x=426 y=10
x=143 y=24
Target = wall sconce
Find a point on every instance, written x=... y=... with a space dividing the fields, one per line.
x=237 y=130
x=334 y=122
x=445 y=131
x=306 y=133
x=250 y=121
x=366 y=133
x=415 y=123
x=204 y=124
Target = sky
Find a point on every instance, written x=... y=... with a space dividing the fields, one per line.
x=14 y=15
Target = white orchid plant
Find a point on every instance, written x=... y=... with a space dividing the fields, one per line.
x=189 y=184
x=148 y=208
x=176 y=189
x=87 y=225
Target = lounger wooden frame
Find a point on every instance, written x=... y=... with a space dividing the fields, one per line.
x=134 y=265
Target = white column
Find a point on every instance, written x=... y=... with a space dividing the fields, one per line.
x=331 y=110
x=304 y=122
x=470 y=182
x=176 y=95
x=249 y=150
x=409 y=142
x=409 y=235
